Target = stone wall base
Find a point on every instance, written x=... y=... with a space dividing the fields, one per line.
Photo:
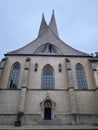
x=35 y=119
x=8 y=119
x=87 y=119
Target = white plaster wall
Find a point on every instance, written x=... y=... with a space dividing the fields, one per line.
x=96 y=73
x=34 y=98
x=96 y=92
x=6 y=72
x=34 y=79
x=86 y=102
x=88 y=71
x=85 y=99
x=9 y=101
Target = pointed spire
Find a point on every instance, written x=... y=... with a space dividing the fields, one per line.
x=43 y=26
x=53 y=25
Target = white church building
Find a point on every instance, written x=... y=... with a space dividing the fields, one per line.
x=47 y=81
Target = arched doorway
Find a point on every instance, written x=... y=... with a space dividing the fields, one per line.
x=47 y=110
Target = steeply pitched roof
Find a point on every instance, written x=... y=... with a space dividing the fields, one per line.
x=48 y=35
x=53 y=25
x=43 y=26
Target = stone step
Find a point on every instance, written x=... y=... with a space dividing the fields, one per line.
x=48 y=127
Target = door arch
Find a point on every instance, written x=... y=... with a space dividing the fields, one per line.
x=47 y=109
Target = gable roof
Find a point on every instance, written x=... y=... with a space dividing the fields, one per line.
x=48 y=34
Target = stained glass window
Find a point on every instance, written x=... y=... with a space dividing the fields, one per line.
x=47 y=77
x=80 y=75
x=14 y=76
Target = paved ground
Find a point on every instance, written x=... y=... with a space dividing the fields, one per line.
x=43 y=127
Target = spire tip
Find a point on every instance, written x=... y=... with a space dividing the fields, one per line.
x=53 y=11
x=43 y=14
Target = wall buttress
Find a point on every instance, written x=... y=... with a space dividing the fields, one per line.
x=2 y=64
x=24 y=85
x=71 y=93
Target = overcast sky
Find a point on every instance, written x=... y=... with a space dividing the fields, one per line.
x=77 y=22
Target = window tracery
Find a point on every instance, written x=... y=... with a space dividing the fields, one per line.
x=80 y=76
x=14 y=76
x=47 y=77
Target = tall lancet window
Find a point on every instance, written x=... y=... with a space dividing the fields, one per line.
x=81 y=78
x=47 y=77
x=14 y=76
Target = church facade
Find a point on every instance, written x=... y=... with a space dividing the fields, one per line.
x=48 y=81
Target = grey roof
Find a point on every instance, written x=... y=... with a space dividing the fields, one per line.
x=43 y=26
x=48 y=34
x=53 y=25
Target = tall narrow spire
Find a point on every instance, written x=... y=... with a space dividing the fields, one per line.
x=53 y=25
x=43 y=26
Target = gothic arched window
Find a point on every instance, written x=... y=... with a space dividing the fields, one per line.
x=80 y=75
x=49 y=49
x=47 y=77
x=14 y=76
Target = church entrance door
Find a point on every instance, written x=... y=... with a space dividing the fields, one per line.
x=47 y=113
